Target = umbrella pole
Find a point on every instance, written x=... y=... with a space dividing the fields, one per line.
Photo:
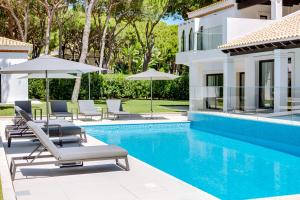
x=47 y=102
x=151 y=98
x=89 y=75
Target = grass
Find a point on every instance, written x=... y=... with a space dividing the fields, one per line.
x=1 y=196
x=131 y=106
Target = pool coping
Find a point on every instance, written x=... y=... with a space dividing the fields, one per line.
x=260 y=118
x=8 y=192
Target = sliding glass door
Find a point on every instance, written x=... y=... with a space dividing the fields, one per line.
x=266 y=84
x=214 y=83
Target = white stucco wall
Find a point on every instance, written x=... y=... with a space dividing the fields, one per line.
x=12 y=87
x=237 y=27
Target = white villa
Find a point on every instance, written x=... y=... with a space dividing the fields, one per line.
x=12 y=87
x=243 y=55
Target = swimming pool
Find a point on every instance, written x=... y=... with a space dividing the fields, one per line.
x=224 y=167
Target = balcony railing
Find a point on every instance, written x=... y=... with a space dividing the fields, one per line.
x=208 y=39
x=262 y=101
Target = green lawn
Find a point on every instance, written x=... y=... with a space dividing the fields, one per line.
x=1 y=197
x=131 y=106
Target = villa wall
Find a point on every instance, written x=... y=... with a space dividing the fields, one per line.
x=12 y=87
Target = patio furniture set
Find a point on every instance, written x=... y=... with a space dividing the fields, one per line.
x=60 y=132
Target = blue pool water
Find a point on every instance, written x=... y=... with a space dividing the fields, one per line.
x=224 y=167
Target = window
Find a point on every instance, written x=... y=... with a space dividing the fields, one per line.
x=266 y=84
x=191 y=40
x=214 y=83
x=0 y=89
x=183 y=41
x=263 y=17
x=200 y=39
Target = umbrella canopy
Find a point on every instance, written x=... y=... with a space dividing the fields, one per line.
x=152 y=74
x=50 y=64
x=50 y=76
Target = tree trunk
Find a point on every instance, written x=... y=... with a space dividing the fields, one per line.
x=47 y=39
x=85 y=44
x=19 y=26
x=26 y=22
x=60 y=27
x=103 y=39
x=147 y=58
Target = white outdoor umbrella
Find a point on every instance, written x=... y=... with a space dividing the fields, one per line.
x=152 y=75
x=50 y=76
x=48 y=65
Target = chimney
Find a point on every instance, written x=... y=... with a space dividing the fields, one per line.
x=276 y=9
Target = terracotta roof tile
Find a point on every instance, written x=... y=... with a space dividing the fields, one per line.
x=284 y=29
x=9 y=42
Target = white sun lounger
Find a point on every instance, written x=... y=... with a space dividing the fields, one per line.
x=114 y=107
x=88 y=108
x=67 y=155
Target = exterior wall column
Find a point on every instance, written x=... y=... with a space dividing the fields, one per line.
x=196 y=83
x=229 y=90
x=296 y=75
x=280 y=80
x=250 y=84
x=276 y=9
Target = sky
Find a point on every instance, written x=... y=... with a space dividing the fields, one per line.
x=173 y=20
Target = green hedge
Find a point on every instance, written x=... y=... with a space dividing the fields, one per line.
x=111 y=86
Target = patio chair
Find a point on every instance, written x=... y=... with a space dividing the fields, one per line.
x=24 y=105
x=59 y=108
x=114 y=107
x=57 y=128
x=18 y=130
x=87 y=108
x=67 y=155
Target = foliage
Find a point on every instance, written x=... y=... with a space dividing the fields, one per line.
x=111 y=86
x=125 y=47
x=1 y=197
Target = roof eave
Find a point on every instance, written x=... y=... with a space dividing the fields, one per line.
x=17 y=48
x=258 y=43
x=212 y=8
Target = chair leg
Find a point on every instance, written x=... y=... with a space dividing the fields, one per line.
x=13 y=169
x=126 y=166
x=9 y=141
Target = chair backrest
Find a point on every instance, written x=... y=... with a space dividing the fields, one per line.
x=114 y=105
x=25 y=116
x=44 y=139
x=59 y=106
x=24 y=105
x=86 y=106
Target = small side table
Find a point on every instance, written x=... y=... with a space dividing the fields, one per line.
x=40 y=111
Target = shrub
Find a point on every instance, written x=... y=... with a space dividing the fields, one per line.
x=111 y=86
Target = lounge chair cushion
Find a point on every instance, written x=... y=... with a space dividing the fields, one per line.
x=24 y=105
x=87 y=107
x=62 y=114
x=91 y=152
x=59 y=106
x=113 y=105
x=121 y=113
x=67 y=128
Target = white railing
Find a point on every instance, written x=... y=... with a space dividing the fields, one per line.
x=263 y=101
